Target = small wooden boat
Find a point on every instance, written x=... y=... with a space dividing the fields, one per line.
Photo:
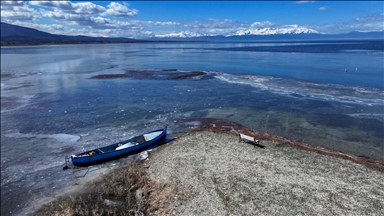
x=121 y=149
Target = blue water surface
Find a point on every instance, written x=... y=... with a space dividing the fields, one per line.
x=53 y=104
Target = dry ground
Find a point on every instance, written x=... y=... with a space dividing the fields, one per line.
x=231 y=178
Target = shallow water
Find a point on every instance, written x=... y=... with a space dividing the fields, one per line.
x=52 y=106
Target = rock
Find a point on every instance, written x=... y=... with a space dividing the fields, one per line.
x=112 y=203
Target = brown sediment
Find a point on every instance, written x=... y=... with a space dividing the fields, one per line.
x=18 y=87
x=188 y=75
x=75 y=124
x=140 y=71
x=151 y=74
x=224 y=126
x=10 y=101
x=109 y=76
x=63 y=150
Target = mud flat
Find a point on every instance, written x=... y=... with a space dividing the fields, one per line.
x=228 y=177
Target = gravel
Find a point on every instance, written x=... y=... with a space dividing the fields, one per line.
x=229 y=177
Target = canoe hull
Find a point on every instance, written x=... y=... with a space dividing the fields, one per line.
x=84 y=159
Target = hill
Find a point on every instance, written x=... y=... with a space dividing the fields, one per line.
x=13 y=35
x=8 y=30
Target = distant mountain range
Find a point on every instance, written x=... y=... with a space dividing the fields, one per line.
x=18 y=35
x=284 y=30
x=301 y=36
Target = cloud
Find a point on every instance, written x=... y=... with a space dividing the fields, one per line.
x=372 y=22
x=207 y=28
x=11 y=3
x=372 y=17
x=82 y=8
x=59 y=5
x=212 y=24
x=114 y=9
x=88 y=18
x=264 y=24
x=212 y=27
x=85 y=13
x=119 y=10
x=86 y=8
x=17 y=10
x=323 y=8
x=303 y=2
x=52 y=28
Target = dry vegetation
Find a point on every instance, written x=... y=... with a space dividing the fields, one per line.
x=126 y=191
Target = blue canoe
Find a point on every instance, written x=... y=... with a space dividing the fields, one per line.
x=121 y=149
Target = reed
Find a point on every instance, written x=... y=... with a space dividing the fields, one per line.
x=126 y=191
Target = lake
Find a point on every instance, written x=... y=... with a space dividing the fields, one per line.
x=62 y=99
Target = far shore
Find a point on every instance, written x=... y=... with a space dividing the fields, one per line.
x=208 y=171
x=16 y=44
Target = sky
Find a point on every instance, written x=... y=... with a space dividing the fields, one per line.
x=145 y=19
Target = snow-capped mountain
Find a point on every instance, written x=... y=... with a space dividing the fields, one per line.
x=184 y=34
x=289 y=29
x=281 y=30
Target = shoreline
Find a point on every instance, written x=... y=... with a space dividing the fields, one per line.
x=169 y=163
x=225 y=126
x=16 y=44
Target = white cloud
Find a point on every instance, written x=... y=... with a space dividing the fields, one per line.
x=372 y=17
x=52 y=28
x=17 y=10
x=369 y=23
x=63 y=5
x=303 y=2
x=114 y=9
x=222 y=23
x=87 y=8
x=119 y=10
x=264 y=24
x=11 y=3
x=157 y=23
x=211 y=27
x=85 y=13
x=323 y=8
x=84 y=8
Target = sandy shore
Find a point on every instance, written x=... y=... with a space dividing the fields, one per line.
x=222 y=176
